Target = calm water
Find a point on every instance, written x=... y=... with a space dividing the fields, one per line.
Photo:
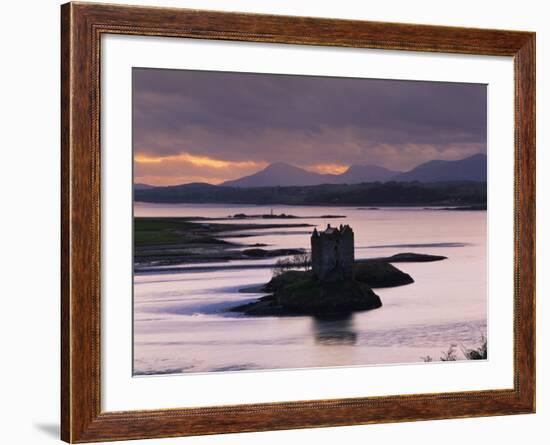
x=180 y=323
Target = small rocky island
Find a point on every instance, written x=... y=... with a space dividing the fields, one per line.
x=336 y=283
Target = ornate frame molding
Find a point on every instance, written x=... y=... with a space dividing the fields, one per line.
x=82 y=26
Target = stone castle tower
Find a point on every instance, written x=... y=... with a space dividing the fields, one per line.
x=332 y=253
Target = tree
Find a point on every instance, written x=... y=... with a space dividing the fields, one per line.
x=295 y=262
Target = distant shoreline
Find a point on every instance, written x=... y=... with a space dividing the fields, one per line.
x=373 y=194
x=373 y=207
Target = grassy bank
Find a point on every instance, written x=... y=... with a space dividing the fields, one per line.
x=167 y=241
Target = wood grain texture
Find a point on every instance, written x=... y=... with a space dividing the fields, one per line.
x=81 y=28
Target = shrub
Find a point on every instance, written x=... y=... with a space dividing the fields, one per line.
x=295 y=262
x=479 y=353
x=449 y=355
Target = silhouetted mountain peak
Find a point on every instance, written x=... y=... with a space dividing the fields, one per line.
x=278 y=174
x=280 y=165
x=472 y=168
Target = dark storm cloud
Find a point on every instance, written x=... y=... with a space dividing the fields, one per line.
x=268 y=118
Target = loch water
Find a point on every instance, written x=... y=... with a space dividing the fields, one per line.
x=181 y=322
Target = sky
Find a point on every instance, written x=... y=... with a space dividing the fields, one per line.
x=207 y=126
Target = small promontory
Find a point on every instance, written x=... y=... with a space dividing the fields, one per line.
x=335 y=284
x=297 y=292
x=310 y=297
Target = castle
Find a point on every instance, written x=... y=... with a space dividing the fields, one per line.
x=332 y=253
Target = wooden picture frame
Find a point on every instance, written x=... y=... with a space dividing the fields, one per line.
x=82 y=26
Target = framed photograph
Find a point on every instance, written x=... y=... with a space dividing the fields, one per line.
x=274 y=222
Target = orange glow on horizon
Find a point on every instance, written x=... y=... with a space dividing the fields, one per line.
x=334 y=169
x=198 y=161
x=176 y=180
x=172 y=170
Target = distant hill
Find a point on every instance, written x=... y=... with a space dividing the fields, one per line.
x=473 y=168
x=193 y=186
x=140 y=186
x=281 y=174
x=366 y=173
x=447 y=194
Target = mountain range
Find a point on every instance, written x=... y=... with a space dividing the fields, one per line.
x=280 y=174
x=473 y=168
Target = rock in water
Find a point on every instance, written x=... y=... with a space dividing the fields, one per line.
x=381 y=274
x=296 y=292
x=310 y=297
x=410 y=257
x=314 y=297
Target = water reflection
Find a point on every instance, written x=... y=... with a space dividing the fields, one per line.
x=334 y=329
